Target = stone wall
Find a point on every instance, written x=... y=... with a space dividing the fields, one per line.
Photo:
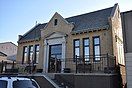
x=88 y=80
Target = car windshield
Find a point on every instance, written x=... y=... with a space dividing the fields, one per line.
x=24 y=84
x=3 y=84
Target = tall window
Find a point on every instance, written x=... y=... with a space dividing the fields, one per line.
x=25 y=51
x=86 y=49
x=36 y=54
x=76 y=48
x=96 y=48
x=30 y=58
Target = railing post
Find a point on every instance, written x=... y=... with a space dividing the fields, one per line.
x=56 y=65
x=84 y=70
x=5 y=63
x=29 y=68
x=115 y=61
x=2 y=65
x=76 y=62
x=107 y=57
x=13 y=65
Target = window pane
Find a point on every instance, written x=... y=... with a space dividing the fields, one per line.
x=76 y=48
x=31 y=48
x=97 y=50
x=76 y=43
x=77 y=51
x=25 y=57
x=97 y=53
x=86 y=49
x=86 y=53
x=86 y=42
x=37 y=56
x=25 y=49
x=37 y=47
x=56 y=49
x=31 y=56
x=96 y=41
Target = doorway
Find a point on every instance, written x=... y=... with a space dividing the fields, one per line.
x=55 y=56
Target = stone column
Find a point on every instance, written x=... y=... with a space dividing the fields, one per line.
x=46 y=51
x=63 y=54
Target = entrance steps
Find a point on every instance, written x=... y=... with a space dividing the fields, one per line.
x=50 y=75
x=51 y=78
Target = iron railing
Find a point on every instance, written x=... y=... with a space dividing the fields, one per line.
x=89 y=64
x=100 y=63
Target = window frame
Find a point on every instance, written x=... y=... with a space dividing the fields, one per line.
x=30 y=60
x=74 y=47
x=24 y=52
x=94 y=45
x=85 y=46
x=35 y=53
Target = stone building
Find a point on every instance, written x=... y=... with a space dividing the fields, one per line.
x=93 y=39
x=8 y=52
x=10 y=49
x=127 y=35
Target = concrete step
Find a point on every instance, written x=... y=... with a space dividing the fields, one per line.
x=50 y=75
x=61 y=85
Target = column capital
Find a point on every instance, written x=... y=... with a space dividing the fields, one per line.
x=45 y=42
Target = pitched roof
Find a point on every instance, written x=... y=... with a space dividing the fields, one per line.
x=8 y=43
x=34 y=33
x=89 y=21
x=85 y=22
x=2 y=54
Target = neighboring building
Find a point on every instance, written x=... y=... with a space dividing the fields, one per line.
x=2 y=56
x=127 y=35
x=89 y=37
x=4 y=62
x=10 y=49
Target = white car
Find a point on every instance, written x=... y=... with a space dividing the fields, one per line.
x=17 y=82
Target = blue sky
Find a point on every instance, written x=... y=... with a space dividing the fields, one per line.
x=19 y=16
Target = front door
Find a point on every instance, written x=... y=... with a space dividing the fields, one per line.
x=55 y=56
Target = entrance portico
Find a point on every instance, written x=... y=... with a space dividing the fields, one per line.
x=54 y=51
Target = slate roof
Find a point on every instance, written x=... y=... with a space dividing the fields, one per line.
x=85 y=22
x=34 y=33
x=89 y=21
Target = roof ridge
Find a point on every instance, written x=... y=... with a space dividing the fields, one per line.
x=127 y=11
x=8 y=42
